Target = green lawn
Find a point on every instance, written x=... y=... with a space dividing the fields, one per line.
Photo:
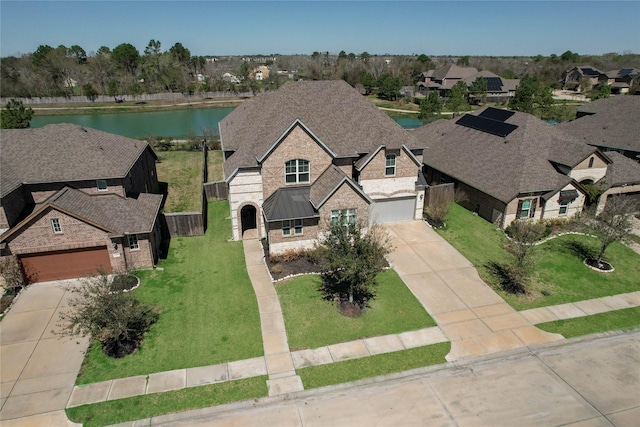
x=625 y=319
x=214 y=166
x=382 y=364
x=558 y=267
x=210 y=312
x=151 y=405
x=312 y=322
x=182 y=170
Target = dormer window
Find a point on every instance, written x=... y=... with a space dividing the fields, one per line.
x=55 y=225
x=591 y=162
x=101 y=184
x=390 y=169
x=296 y=171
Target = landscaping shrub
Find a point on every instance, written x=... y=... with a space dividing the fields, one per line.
x=123 y=282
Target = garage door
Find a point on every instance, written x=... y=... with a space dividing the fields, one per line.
x=393 y=210
x=46 y=266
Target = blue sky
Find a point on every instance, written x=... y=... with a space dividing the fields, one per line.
x=496 y=28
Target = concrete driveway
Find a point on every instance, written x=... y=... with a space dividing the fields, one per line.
x=38 y=367
x=476 y=320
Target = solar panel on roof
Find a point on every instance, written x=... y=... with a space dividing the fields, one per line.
x=483 y=124
x=494 y=84
x=496 y=114
x=590 y=72
x=625 y=71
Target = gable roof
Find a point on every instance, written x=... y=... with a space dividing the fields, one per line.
x=523 y=161
x=364 y=161
x=64 y=153
x=452 y=71
x=610 y=122
x=334 y=112
x=328 y=183
x=112 y=213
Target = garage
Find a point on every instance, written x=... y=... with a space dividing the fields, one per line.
x=58 y=265
x=393 y=210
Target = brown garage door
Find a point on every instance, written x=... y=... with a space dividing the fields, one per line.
x=60 y=265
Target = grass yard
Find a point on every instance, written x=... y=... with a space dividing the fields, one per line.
x=214 y=166
x=382 y=364
x=558 y=267
x=625 y=319
x=312 y=322
x=182 y=170
x=210 y=310
x=151 y=405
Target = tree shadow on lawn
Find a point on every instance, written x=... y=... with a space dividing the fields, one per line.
x=579 y=249
x=506 y=278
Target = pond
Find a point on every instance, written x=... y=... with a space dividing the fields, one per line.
x=175 y=123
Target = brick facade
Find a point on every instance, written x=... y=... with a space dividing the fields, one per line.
x=298 y=144
x=345 y=198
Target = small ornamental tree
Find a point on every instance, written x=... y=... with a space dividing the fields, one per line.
x=353 y=257
x=11 y=277
x=116 y=319
x=613 y=224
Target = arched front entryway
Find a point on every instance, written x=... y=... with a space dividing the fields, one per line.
x=249 y=221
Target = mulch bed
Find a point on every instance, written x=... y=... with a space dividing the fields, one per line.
x=280 y=269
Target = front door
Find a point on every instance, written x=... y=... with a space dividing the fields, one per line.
x=248 y=218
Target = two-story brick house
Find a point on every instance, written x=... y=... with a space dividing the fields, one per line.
x=310 y=153
x=74 y=200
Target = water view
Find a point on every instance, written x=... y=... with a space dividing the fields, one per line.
x=175 y=123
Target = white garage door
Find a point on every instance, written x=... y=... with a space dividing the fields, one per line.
x=393 y=210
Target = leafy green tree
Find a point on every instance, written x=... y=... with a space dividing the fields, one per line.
x=16 y=116
x=127 y=57
x=342 y=55
x=180 y=53
x=352 y=260
x=604 y=91
x=78 y=53
x=116 y=319
x=89 y=91
x=458 y=98
x=531 y=96
x=39 y=57
x=103 y=50
x=508 y=74
x=479 y=88
x=389 y=86
x=430 y=106
x=570 y=56
x=523 y=236
x=365 y=56
x=464 y=60
x=113 y=88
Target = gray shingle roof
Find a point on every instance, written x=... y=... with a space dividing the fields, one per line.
x=614 y=123
x=503 y=167
x=289 y=203
x=122 y=215
x=328 y=183
x=64 y=153
x=623 y=170
x=337 y=114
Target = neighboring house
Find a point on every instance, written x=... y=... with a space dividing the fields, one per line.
x=311 y=153
x=74 y=200
x=610 y=124
x=511 y=165
x=577 y=76
x=228 y=77
x=261 y=73
x=444 y=78
x=621 y=80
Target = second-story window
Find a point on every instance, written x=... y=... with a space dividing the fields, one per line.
x=296 y=171
x=55 y=225
x=390 y=169
x=102 y=185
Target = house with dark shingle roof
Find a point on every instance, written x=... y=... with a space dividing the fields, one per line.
x=74 y=200
x=584 y=74
x=444 y=78
x=511 y=165
x=610 y=124
x=310 y=153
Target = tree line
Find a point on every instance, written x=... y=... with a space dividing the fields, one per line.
x=66 y=71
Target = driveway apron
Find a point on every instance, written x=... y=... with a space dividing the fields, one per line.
x=476 y=320
x=38 y=367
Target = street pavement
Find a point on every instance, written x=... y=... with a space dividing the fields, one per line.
x=590 y=382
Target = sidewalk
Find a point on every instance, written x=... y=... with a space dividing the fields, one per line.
x=469 y=314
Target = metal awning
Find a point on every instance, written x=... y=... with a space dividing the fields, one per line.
x=568 y=194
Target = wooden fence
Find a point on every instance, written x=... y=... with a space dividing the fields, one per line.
x=438 y=193
x=184 y=224
x=216 y=190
